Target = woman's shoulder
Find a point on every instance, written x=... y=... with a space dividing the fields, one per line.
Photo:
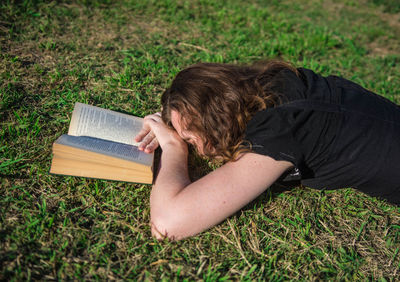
x=272 y=132
x=305 y=84
x=289 y=85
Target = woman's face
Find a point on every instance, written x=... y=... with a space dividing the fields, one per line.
x=187 y=135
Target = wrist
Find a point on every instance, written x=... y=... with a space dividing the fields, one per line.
x=176 y=148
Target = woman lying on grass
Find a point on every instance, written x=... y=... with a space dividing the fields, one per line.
x=265 y=121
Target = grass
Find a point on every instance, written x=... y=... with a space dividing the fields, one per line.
x=121 y=55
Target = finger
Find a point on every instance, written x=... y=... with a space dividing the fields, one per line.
x=151 y=146
x=142 y=133
x=146 y=140
x=155 y=117
x=155 y=124
x=146 y=128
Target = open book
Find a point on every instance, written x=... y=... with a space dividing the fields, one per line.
x=100 y=144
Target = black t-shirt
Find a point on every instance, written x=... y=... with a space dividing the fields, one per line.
x=336 y=134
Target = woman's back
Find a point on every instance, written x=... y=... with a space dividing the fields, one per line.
x=335 y=132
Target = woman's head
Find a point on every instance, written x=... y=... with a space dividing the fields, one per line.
x=187 y=135
x=214 y=102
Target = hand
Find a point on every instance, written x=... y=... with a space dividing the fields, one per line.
x=147 y=139
x=154 y=133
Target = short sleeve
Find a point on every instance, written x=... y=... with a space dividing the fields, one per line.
x=271 y=132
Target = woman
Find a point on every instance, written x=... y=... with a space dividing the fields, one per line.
x=265 y=121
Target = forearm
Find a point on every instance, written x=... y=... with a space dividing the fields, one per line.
x=172 y=178
x=173 y=174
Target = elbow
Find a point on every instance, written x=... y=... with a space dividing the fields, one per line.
x=167 y=225
x=161 y=229
x=159 y=232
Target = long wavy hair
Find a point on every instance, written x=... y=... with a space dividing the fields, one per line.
x=216 y=101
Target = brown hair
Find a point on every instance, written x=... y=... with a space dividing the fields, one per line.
x=216 y=101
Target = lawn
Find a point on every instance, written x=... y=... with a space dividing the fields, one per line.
x=121 y=55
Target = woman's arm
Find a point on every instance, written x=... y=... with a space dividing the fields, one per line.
x=180 y=208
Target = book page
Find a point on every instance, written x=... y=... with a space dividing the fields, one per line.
x=105 y=147
x=104 y=124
